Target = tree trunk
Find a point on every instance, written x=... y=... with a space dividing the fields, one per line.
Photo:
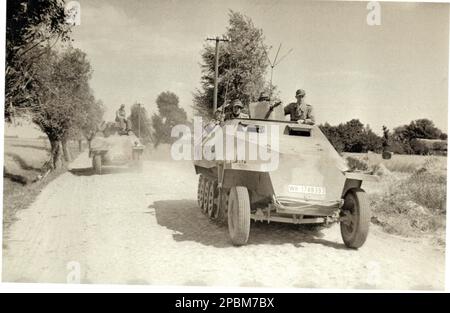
x=80 y=145
x=55 y=146
x=66 y=152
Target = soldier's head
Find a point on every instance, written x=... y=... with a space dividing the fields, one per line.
x=237 y=106
x=300 y=94
x=122 y=106
x=264 y=96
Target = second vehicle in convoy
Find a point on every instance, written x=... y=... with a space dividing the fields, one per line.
x=114 y=144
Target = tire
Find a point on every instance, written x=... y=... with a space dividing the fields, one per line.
x=212 y=197
x=200 y=193
x=239 y=215
x=356 y=207
x=206 y=185
x=97 y=164
x=221 y=216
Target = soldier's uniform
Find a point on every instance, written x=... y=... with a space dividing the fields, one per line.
x=232 y=115
x=301 y=111
x=121 y=118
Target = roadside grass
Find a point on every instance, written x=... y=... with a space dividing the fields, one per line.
x=410 y=199
x=23 y=160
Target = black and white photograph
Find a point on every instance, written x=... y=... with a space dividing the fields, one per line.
x=244 y=144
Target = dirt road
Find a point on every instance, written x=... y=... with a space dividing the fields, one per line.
x=145 y=228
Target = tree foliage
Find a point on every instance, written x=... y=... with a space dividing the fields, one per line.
x=169 y=115
x=354 y=137
x=62 y=103
x=30 y=26
x=405 y=136
x=242 y=66
x=140 y=123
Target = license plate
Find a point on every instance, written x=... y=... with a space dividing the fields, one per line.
x=310 y=190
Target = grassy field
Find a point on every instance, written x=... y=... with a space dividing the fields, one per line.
x=23 y=160
x=400 y=163
x=410 y=199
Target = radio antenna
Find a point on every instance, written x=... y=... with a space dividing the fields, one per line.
x=274 y=63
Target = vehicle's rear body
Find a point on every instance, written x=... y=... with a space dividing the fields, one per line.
x=116 y=149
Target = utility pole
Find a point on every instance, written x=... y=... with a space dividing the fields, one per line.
x=216 y=69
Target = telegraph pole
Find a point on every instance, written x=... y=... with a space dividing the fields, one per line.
x=216 y=69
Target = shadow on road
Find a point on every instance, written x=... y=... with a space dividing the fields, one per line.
x=189 y=224
x=89 y=171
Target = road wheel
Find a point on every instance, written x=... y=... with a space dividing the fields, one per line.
x=239 y=215
x=97 y=164
x=205 y=195
x=200 y=194
x=221 y=215
x=212 y=200
x=355 y=218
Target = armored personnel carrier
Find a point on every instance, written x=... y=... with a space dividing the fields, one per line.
x=298 y=177
x=113 y=147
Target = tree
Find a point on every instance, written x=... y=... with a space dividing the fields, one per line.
x=170 y=115
x=404 y=136
x=386 y=139
x=63 y=103
x=371 y=141
x=87 y=126
x=352 y=137
x=419 y=147
x=333 y=135
x=30 y=26
x=140 y=123
x=242 y=66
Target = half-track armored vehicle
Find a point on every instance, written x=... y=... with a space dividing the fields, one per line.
x=301 y=179
x=114 y=147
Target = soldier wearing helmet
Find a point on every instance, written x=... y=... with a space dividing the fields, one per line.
x=236 y=112
x=121 y=118
x=264 y=99
x=300 y=111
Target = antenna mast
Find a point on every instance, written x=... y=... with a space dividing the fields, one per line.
x=275 y=63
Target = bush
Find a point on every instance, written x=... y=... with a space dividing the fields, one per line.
x=413 y=205
x=356 y=165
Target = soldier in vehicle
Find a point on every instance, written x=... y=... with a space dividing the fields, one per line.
x=237 y=111
x=300 y=111
x=121 y=118
x=264 y=97
x=219 y=115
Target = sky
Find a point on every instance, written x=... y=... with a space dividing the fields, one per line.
x=387 y=74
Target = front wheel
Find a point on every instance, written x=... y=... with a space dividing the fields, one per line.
x=355 y=218
x=239 y=215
